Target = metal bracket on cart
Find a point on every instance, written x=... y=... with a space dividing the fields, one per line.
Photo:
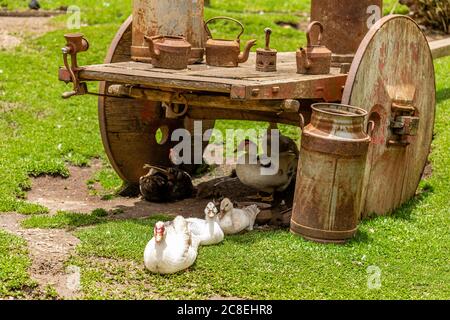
x=404 y=123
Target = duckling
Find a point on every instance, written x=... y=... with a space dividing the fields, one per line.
x=165 y=185
x=208 y=230
x=257 y=173
x=233 y=221
x=173 y=248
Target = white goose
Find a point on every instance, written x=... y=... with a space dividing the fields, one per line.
x=233 y=221
x=172 y=249
x=208 y=230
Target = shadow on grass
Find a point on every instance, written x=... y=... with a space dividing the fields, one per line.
x=442 y=95
x=405 y=211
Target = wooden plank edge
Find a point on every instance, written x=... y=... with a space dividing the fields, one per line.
x=440 y=48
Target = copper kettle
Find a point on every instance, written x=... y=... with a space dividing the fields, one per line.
x=226 y=53
x=169 y=52
x=315 y=59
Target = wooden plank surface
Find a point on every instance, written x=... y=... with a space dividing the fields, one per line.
x=440 y=48
x=239 y=82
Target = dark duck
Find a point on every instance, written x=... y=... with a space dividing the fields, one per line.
x=166 y=184
x=34 y=5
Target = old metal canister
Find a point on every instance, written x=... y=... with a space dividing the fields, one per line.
x=346 y=22
x=315 y=58
x=330 y=175
x=169 y=52
x=169 y=17
x=266 y=58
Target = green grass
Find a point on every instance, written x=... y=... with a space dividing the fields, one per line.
x=411 y=249
x=41 y=134
x=62 y=220
x=14 y=264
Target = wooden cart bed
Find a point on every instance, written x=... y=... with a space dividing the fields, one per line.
x=242 y=83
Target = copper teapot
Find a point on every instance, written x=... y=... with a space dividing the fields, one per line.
x=315 y=59
x=226 y=53
x=169 y=52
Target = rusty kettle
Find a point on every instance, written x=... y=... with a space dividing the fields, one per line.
x=226 y=53
x=169 y=52
x=315 y=59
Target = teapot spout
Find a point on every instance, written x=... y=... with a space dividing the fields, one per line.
x=154 y=53
x=243 y=56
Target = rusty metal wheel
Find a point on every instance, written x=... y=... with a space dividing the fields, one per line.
x=392 y=77
x=134 y=132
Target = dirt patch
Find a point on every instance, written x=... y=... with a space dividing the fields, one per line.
x=49 y=250
x=15 y=29
x=72 y=194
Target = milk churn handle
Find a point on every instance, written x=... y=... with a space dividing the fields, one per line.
x=224 y=18
x=308 y=33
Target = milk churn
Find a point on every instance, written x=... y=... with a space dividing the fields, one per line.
x=330 y=175
x=346 y=22
x=170 y=18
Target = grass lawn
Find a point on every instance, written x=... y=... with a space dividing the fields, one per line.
x=14 y=263
x=40 y=134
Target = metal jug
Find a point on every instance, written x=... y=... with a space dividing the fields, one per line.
x=330 y=174
x=226 y=53
x=315 y=59
x=169 y=52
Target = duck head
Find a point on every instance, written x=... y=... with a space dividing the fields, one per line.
x=159 y=231
x=225 y=206
x=211 y=211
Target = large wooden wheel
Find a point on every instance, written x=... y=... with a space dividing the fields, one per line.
x=129 y=126
x=392 y=77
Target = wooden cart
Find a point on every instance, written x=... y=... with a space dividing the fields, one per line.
x=392 y=77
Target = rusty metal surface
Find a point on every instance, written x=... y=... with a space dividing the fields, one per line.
x=345 y=23
x=226 y=53
x=331 y=170
x=75 y=43
x=266 y=58
x=168 y=17
x=315 y=58
x=169 y=52
x=392 y=77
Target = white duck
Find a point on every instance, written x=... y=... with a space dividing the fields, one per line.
x=233 y=221
x=208 y=230
x=251 y=170
x=172 y=249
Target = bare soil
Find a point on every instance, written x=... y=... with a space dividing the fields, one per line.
x=72 y=194
x=14 y=29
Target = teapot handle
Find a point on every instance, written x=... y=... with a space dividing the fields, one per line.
x=224 y=18
x=308 y=33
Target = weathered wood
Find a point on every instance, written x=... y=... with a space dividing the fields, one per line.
x=242 y=83
x=289 y=118
x=386 y=72
x=202 y=100
x=440 y=48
